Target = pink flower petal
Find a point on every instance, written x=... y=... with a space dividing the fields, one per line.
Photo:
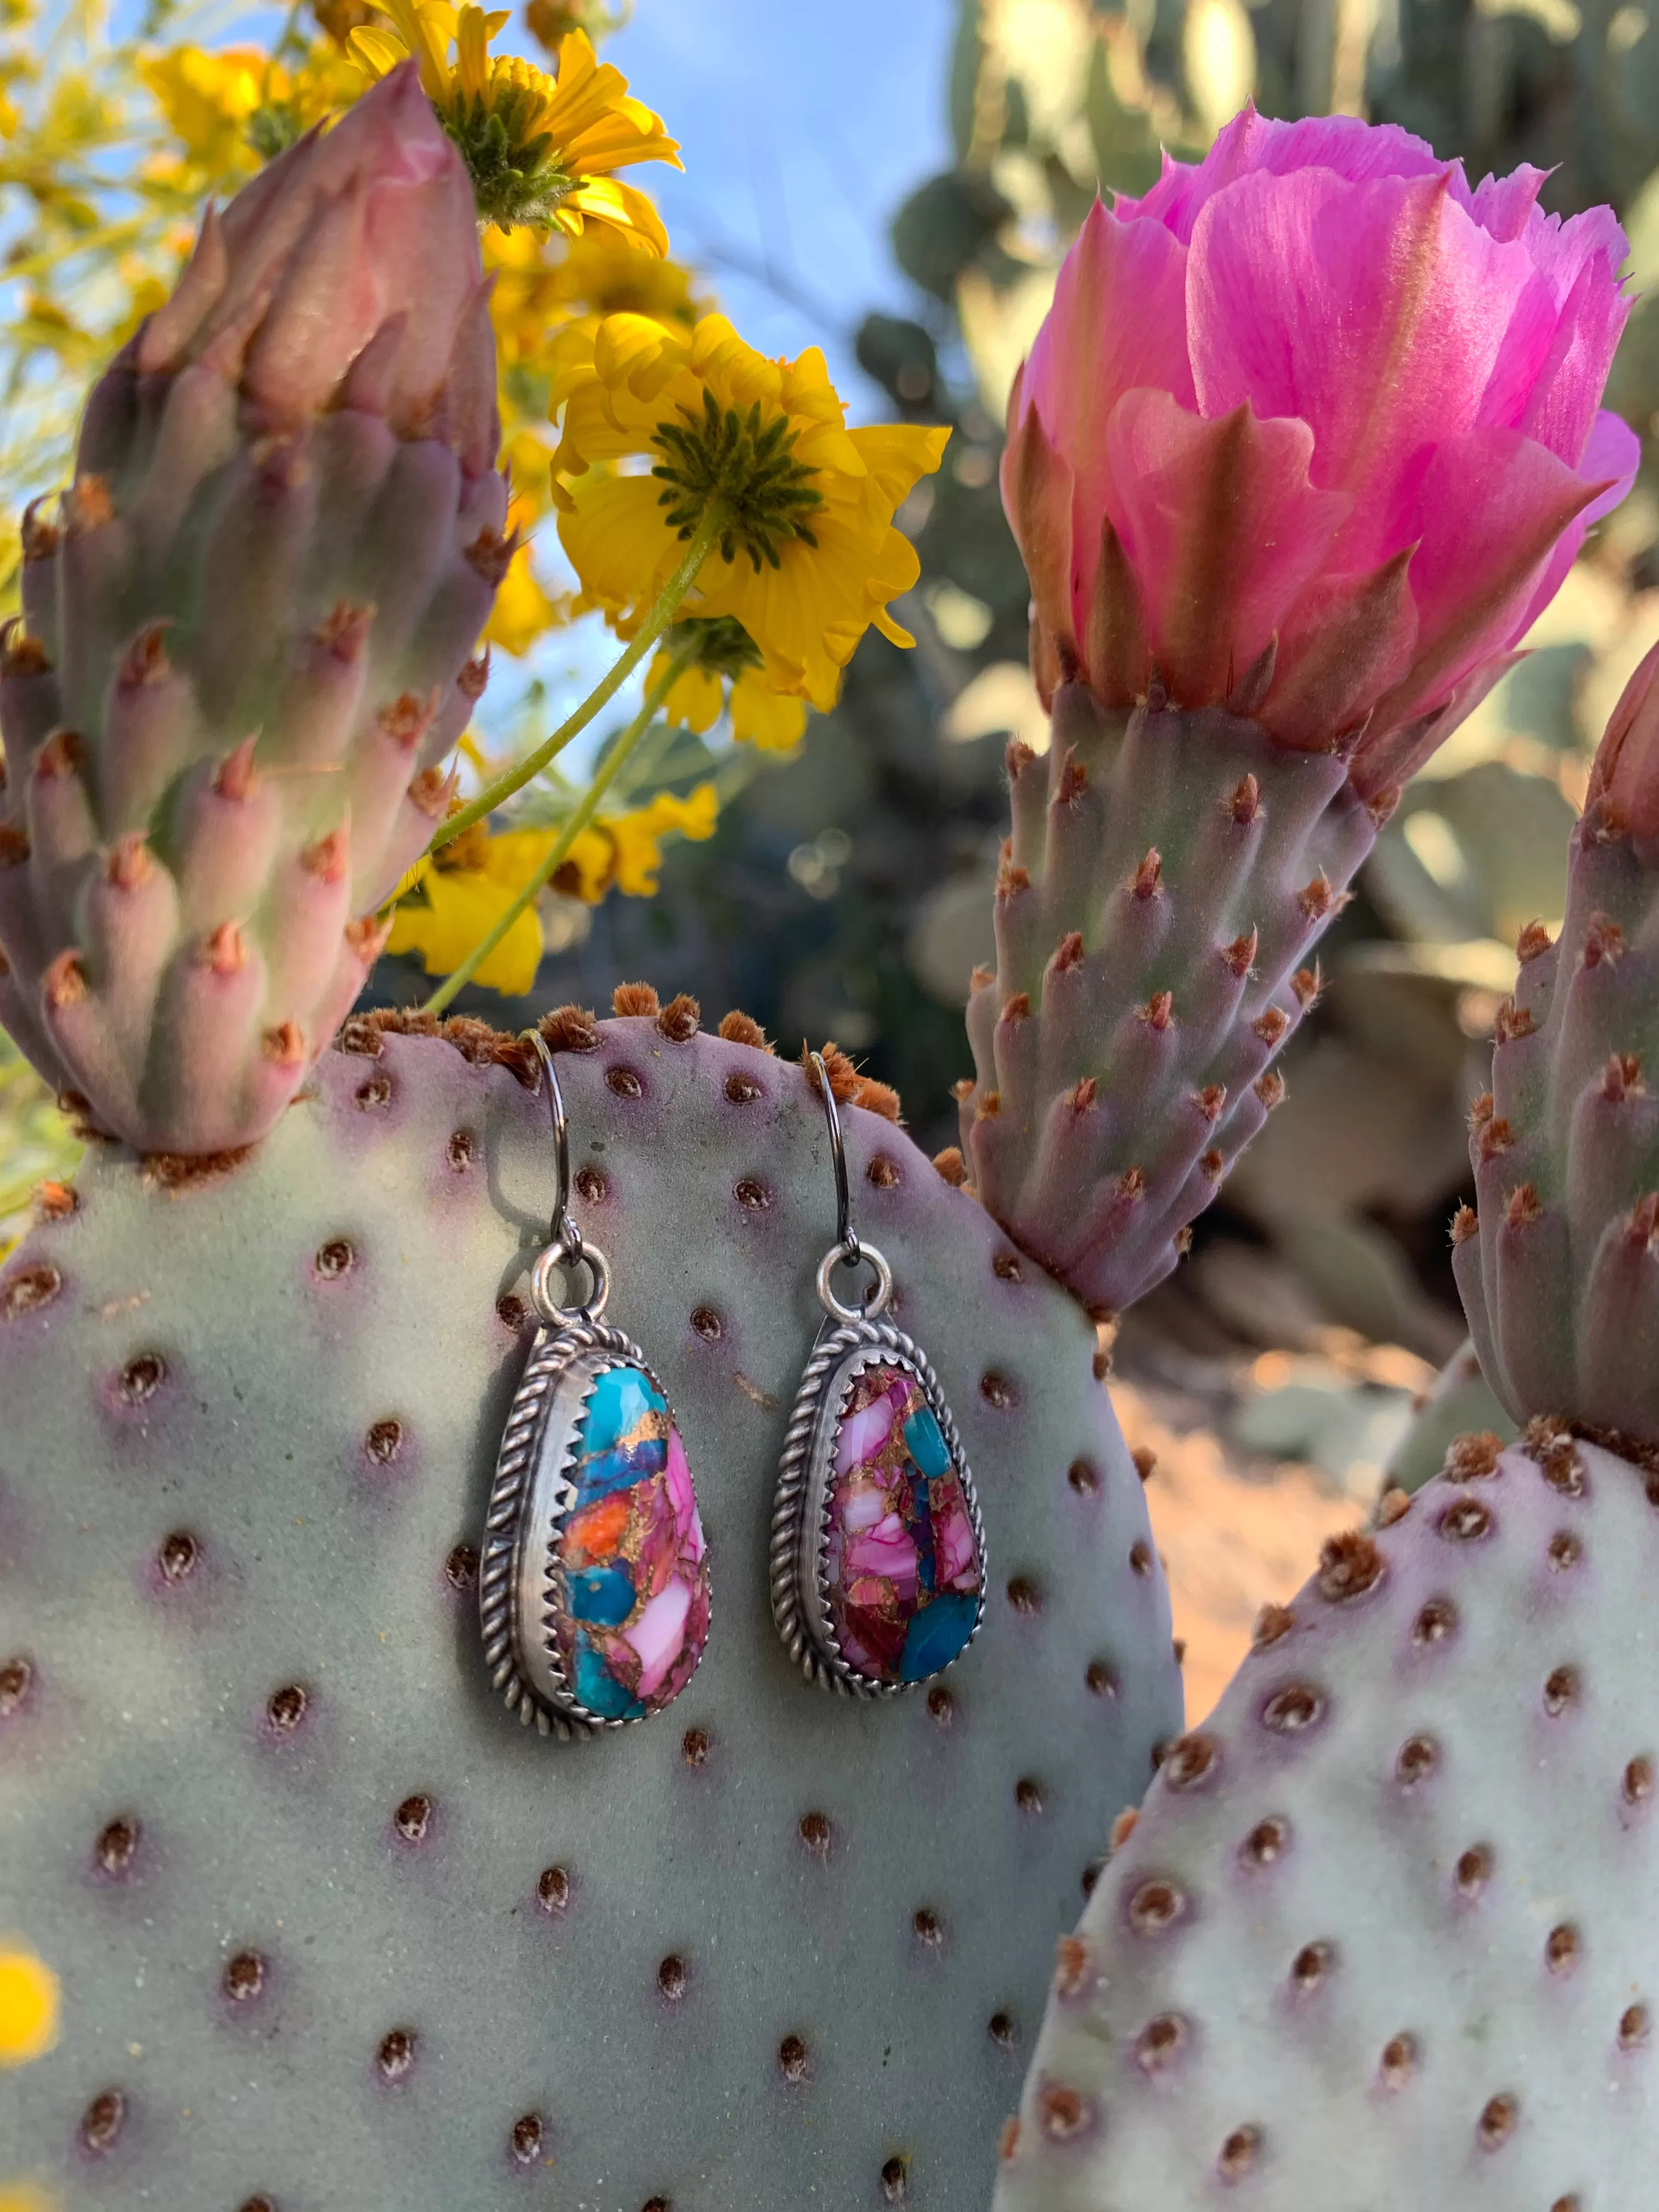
x=1253 y=143
x=1377 y=313
x=1223 y=529
x=1612 y=455
x=1118 y=321
x=1490 y=510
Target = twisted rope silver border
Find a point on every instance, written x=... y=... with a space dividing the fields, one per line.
x=825 y=1665
x=550 y=1359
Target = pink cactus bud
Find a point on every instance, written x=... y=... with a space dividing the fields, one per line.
x=1316 y=411
x=357 y=248
x=1625 y=776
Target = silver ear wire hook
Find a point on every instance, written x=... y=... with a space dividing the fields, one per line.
x=565 y=1249
x=846 y=1246
x=846 y=1235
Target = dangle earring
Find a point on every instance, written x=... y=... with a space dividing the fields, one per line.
x=878 y=1549
x=593 y=1585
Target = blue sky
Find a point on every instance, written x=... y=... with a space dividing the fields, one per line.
x=803 y=125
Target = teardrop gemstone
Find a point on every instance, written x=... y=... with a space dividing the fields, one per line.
x=902 y=1568
x=629 y=1586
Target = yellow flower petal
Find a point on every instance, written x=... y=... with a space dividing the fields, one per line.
x=694 y=701
x=207 y=99
x=458 y=910
x=378 y=51
x=523 y=611
x=763 y=717
x=638 y=836
x=28 y=2007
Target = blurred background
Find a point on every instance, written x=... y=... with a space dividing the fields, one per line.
x=895 y=181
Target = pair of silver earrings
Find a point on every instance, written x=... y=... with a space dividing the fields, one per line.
x=594 y=1578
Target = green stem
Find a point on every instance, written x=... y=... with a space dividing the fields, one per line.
x=604 y=777
x=664 y=609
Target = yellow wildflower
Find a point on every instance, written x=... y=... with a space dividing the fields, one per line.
x=455 y=906
x=543 y=282
x=235 y=107
x=809 y=558
x=523 y=611
x=636 y=838
x=207 y=99
x=551 y=19
x=539 y=149
x=599 y=276
x=340 y=18
x=28 y=2007
x=771 y=720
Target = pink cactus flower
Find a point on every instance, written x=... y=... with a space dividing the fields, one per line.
x=1314 y=427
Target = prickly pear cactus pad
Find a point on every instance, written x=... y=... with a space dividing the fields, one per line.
x=333 y=1930
x=1382 y=1935
x=1559 y=1269
x=1167 y=874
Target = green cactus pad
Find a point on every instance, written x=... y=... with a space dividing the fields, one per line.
x=332 y=1925
x=1383 y=1934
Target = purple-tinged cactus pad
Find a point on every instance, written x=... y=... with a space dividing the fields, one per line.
x=1386 y=1933
x=719 y=1959
x=1168 y=878
x=1558 y=1270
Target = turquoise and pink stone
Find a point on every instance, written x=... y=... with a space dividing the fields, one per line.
x=901 y=1566
x=631 y=1591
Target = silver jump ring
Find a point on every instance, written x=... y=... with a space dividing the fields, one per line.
x=850 y=1251
x=564 y=1254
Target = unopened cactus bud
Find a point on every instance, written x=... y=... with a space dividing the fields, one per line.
x=246 y=650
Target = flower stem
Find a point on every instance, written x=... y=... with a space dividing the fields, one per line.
x=604 y=777
x=664 y=609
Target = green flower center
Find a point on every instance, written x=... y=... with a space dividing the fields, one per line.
x=273 y=127
x=719 y=643
x=514 y=179
x=750 y=468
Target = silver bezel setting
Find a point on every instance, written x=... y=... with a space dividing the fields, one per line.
x=800 y=1513
x=530 y=1501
